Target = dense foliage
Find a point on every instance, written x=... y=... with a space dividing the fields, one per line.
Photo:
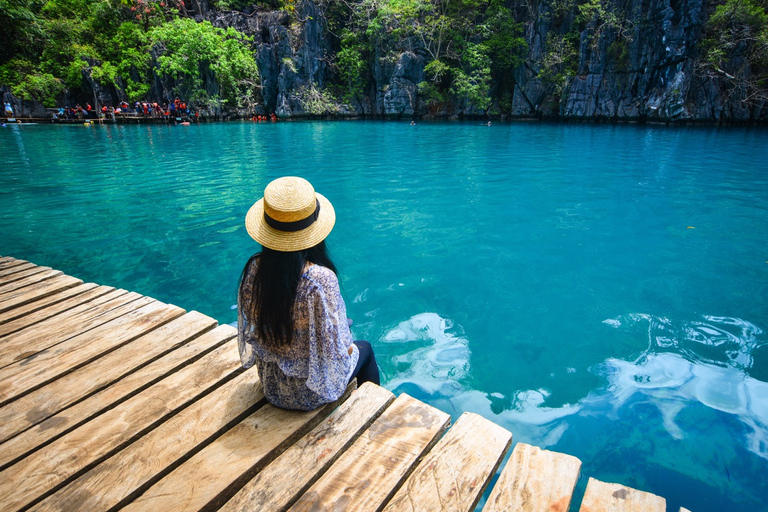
x=469 y=47
x=58 y=44
x=736 y=45
x=463 y=54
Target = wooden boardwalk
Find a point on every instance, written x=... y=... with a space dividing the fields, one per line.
x=114 y=401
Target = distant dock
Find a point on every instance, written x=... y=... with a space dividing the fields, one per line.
x=112 y=400
x=108 y=119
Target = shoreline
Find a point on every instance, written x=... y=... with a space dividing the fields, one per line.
x=394 y=118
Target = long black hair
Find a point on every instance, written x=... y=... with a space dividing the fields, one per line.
x=267 y=294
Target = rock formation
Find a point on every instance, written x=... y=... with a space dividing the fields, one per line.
x=655 y=75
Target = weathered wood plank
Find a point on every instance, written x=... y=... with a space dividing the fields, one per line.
x=20 y=297
x=193 y=486
x=9 y=270
x=43 y=367
x=86 y=298
x=43 y=403
x=535 y=480
x=69 y=456
x=82 y=318
x=45 y=273
x=71 y=417
x=161 y=450
x=18 y=273
x=7 y=261
x=607 y=497
x=371 y=470
x=29 y=310
x=278 y=485
x=454 y=474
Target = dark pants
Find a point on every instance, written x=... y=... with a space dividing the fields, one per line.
x=366 y=370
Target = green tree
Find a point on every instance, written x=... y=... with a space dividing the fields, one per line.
x=352 y=64
x=736 y=46
x=559 y=63
x=191 y=51
x=20 y=27
x=472 y=82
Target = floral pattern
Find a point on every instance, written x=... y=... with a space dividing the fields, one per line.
x=316 y=367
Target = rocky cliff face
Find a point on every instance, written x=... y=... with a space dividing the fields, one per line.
x=647 y=69
x=659 y=78
x=650 y=72
x=291 y=52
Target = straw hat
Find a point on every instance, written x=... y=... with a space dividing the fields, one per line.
x=291 y=216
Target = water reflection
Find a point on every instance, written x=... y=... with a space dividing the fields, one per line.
x=695 y=362
x=698 y=362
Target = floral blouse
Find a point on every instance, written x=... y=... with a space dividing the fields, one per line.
x=317 y=366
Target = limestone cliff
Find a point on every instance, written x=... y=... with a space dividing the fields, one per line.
x=648 y=66
x=650 y=72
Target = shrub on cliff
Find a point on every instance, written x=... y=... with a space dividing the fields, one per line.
x=736 y=46
x=190 y=53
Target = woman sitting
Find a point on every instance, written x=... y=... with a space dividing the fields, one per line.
x=292 y=320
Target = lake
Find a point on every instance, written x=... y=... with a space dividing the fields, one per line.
x=598 y=290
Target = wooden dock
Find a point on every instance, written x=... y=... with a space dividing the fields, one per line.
x=114 y=401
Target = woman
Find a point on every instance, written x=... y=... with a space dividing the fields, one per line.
x=292 y=320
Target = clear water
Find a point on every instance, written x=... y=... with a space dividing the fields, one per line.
x=598 y=290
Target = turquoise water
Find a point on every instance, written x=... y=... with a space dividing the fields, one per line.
x=598 y=290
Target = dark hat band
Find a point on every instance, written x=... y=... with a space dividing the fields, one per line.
x=296 y=225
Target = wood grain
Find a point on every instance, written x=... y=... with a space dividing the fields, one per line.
x=26 y=313
x=20 y=272
x=238 y=454
x=453 y=476
x=371 y=470
x=9 y=270
x=535 y=480
x=30 y=373
x=67 y=457
x=16 y=298
x=73 y=387
x=41 y=274
x=69 y=418
x=607 y=497
x=79 y=319
x=157 y=453
x=7 y=261
x=279 y=485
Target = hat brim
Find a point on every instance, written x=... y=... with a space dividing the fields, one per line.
x=284 y=241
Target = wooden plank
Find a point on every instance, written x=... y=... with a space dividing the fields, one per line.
x=13 y=269
x=192 y=486
x=20 y=272
x=455 y=473
x=161 y=450
x=278 y=485
x=17 y=298
x=35 y=338
x=73 y=321
x=46 y=273
x=607 y=497
x=48 y=400
x=371 y=470
x=46 y=301
x=535 y=480
x=43 y=367
x=71 y=417
x=74 y=453
x=36 y=312
x=7 y=261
